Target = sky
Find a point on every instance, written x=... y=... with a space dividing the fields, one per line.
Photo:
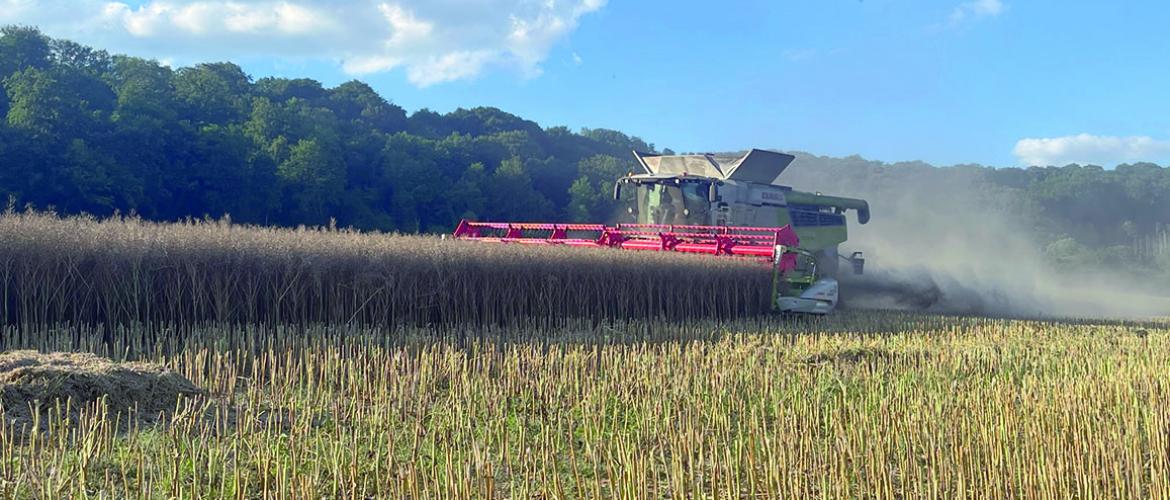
x=995 y=82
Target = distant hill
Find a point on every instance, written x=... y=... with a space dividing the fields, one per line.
x=84 y=131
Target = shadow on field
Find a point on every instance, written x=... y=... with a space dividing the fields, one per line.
x=855 y=320
x=868 y=355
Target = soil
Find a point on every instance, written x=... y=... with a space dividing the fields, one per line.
x=30 y=378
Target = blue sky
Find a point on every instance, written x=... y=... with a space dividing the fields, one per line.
x=998 y=82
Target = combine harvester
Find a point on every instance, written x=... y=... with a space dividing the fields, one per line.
x=721 y=207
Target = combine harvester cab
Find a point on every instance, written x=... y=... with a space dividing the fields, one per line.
x=720 y=207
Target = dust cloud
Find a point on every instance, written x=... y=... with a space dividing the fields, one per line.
x=948 y=241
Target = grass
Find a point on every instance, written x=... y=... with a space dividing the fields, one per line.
x=842 y=408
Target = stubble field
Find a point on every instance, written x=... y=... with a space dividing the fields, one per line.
x=552 y=396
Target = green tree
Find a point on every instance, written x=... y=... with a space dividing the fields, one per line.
x=283 y=89
x=616 y=143
x=512 y=197
x=40 y=103
x=23 y=47
x=273 y=125
x=213 y=93
x=416 y=189
x=468 y=193
x=356 y=102
x=81 y=58
x=591 y=195
x=3 y=105
x=313 y=180
x=146 y=96
x=488 y=121
x=100 y=183
x=224 y=177
x=429 y=124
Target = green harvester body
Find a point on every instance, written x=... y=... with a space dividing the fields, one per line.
x=709 y=190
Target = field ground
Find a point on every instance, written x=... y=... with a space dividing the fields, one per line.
x=864 y=404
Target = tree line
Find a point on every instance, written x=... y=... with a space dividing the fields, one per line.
x=84 y=131
x=1079 y=215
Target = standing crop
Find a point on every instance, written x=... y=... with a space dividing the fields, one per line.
x=122 y=271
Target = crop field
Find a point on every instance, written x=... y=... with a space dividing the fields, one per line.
x=348 y=390
x=122 y=271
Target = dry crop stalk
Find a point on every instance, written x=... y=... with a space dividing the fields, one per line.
x=127 y=271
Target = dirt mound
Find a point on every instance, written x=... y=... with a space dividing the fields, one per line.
x=29 y=378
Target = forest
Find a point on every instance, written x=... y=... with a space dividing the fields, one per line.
x=86 y=131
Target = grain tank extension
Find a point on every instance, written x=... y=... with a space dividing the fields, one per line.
x=721 y=206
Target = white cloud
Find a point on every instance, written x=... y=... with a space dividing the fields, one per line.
x=405 y=27
x=975 y=9
x=282 y=17
x=986 y=7
x=449 y=67
x=364 y=65
x=15 y=7
x=1091 y=149
x=434 y=41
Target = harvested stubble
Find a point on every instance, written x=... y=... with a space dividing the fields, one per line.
x=125 y=271
x=840 y=408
